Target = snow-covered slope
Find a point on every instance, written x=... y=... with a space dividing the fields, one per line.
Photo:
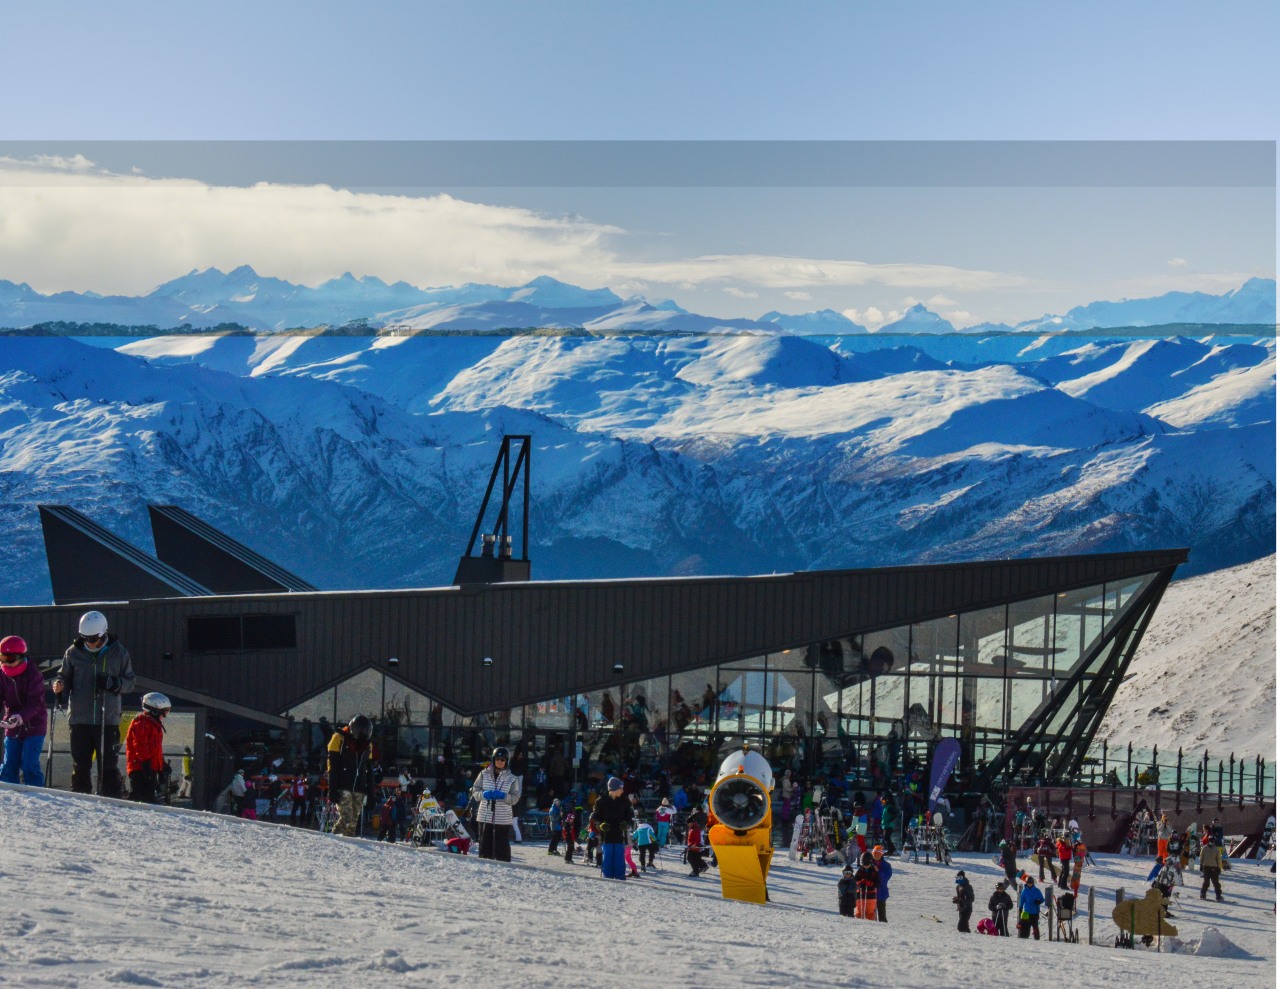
x=1205 y=674
x=712 y=453
x=109 y=893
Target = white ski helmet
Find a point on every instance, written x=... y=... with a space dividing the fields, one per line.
x=156 y=703
x=93 y=623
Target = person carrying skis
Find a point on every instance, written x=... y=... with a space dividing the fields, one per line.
x=350 y=768
x=963 y=901
x=497 y=791
x=1029 y=902
x=144 y=748
x=25 y=718
x=1000 y=905
x=96 y=669
x=847 y=892
x=612 y=814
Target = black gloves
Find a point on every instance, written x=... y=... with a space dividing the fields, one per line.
x=107 y=684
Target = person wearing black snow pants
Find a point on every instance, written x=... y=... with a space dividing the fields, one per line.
x=497 y=792
x=96 y=669
x=963 y=901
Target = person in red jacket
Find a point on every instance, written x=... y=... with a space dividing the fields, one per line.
x=144 y=748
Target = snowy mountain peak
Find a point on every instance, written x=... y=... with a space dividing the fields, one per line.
x=918 y=319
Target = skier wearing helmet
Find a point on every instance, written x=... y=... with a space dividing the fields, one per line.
x=22 y=714
x=351 y=781
x=96 y=670
x=144 y=748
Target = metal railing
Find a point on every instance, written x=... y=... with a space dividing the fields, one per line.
x=1242 y=778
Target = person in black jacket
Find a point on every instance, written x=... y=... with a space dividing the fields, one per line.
x=963 y=901
x=612 y=814
x=847 y=890
x=351 y=772
x=1000 y=905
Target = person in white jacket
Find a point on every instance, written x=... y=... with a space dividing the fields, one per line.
x=496 y=791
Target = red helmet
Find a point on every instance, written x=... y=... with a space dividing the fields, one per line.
x=13 y=645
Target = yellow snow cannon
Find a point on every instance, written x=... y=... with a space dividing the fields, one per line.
x=741 y=825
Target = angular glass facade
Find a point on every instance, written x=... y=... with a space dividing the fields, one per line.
x=1022 y=686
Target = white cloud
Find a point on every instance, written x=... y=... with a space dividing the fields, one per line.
x=65 y=223
x=871 y=317
x=71 y=227
x=960 y=317
x=1177 y=262
x=939 y=301
x=798 y=296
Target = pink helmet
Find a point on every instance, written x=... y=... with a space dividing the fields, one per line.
x=13 y=645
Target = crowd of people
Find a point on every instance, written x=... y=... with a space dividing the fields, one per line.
x=607 y=825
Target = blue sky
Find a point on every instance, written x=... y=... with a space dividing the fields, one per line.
x=288 y=72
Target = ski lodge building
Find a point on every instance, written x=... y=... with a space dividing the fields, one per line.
x=856 y=672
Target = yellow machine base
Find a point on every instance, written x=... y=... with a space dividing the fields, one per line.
x=743 y=869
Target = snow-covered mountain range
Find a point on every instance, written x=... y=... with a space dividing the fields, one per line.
x=242 y=297
x=358 y=461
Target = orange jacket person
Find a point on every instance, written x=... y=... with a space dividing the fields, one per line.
x=144 y=748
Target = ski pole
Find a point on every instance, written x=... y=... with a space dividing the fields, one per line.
x=48 y=763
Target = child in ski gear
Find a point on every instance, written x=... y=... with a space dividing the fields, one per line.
x=867 y=880
x=694 y=851
x=612 y=814
x=663 y=817
x=963 y=901
x=144 y=748
x=884 y=870
x=1000 y=905
x=350 y=767
x=646 y=840
x=1029 y=903
x=24 y=717
x=96 y=669
x=497 y=791
x=847 y=892
x=572 y=817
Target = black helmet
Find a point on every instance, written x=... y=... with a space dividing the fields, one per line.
x=361 y=728
x=501 y=753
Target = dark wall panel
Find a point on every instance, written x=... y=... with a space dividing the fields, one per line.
x=555 y=639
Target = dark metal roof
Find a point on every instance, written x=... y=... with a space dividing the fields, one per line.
x=90 y=563
x=214 y=558
x=550 y=639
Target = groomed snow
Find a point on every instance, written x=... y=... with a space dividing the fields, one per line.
x=1204 y=676
x=103 y=892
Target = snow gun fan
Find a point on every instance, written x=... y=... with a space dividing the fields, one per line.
x=741 y=825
